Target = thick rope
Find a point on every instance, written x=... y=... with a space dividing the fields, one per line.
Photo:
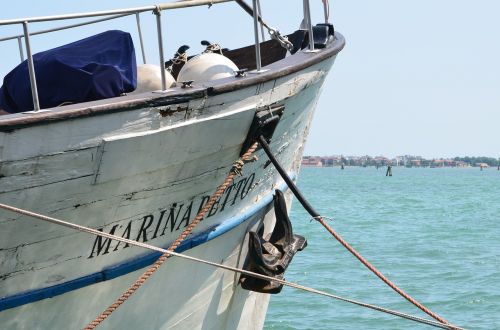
x=235 y=170
x=237 y=270
x=275 y=34
x=378 y=273
x=320 y=219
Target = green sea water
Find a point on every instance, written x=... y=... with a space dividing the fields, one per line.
x=435 y=232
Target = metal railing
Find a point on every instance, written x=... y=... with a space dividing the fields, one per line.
x=256 y=14
x=119 y=13
x=307 y=19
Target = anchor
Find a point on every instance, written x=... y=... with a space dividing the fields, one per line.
x=272 y=256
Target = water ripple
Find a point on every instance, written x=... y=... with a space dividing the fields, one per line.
x=434 y=232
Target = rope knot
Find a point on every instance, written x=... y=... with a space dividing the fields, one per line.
x=180 y=58
x=213 y=48
x=283 y=40
x=237 y=166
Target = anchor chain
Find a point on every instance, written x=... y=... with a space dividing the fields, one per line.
x=235 y=170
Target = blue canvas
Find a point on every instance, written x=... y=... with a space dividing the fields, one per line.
x=94 y=68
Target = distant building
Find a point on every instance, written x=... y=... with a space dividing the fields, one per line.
x=437 y=163
x=381 y=160
x=312 y=161
x=416 y=162
x=331 y=161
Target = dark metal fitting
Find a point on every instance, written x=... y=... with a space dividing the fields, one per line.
x=271 y=255
x=241 y=73
x=187 y=84
x=157 y=10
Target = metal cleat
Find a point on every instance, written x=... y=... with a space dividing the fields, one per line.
x=187 y=84
x=241 y=73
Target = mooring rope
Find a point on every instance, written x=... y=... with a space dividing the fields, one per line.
x=273 y=33
x=339 y=238
x=229 y=268
x=235 y=170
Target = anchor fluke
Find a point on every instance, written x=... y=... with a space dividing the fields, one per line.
x=272 y=256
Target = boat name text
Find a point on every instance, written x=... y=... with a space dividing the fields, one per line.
x=173 y=218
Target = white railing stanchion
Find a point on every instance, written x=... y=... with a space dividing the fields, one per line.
x=256 y=14
x=139 y=31
x=20 y=44
x=326 y=10
x=157 y=12
x=261 y=25
x=307 y=20
x=31 y=68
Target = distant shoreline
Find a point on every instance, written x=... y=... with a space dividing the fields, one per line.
x=400 y=166
x=399 y=161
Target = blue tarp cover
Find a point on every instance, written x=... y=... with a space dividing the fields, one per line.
x=93 y=68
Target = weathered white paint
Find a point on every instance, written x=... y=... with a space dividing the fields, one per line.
x=180 y=295
x=122 y=168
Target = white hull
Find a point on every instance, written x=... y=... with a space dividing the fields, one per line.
x=181 y=294
x=143 y=176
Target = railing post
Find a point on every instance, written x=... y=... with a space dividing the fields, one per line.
x=137 y=18
x=20 y=44
x=307 y=19
x=31 y=67
x=256 y=14
x=261 y=25
x=326 y=10
x=157 y=12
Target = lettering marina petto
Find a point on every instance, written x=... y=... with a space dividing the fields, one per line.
x=173 y=218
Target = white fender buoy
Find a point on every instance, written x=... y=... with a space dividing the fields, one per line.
x=207 y=67
x=149 y=78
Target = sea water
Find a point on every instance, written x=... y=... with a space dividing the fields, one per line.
x=435 y=232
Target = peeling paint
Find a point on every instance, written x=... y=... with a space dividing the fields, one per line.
x=117 y=168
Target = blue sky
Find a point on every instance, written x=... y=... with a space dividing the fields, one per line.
x=416 y=77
